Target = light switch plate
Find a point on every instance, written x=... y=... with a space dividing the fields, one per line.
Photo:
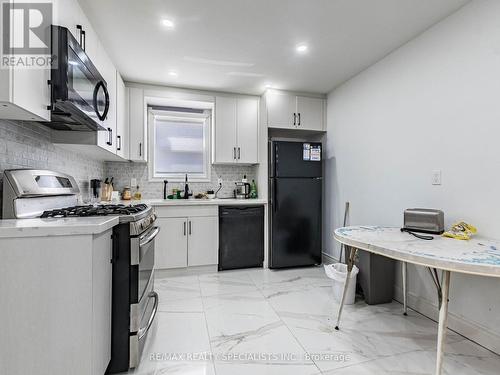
x=133 y=182
x=436 y=177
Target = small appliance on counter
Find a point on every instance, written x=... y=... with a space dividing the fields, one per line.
x=423 y=220
x=242 y=189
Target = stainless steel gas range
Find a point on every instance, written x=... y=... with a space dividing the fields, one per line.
x=30 y=193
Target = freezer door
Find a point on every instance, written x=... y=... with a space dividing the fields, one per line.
x=295 y=222
x=296 y=159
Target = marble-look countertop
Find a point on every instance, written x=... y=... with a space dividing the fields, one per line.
x=10 y=228
x=196 y=202
x=478 y=256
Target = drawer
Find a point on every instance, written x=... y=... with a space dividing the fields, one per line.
x=187 y=211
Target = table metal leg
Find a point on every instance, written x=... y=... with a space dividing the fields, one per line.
x=350 y=264
x=443 y=321
x=405 y=288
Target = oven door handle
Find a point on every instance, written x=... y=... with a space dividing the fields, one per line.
x=145 y=330
x=149 y=237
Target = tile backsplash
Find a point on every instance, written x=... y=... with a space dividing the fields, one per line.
x=124 y=172
x=28 y=145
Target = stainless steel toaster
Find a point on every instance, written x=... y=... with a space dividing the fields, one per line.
x=424 y=220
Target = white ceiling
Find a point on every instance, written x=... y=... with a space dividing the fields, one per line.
x=240 y=45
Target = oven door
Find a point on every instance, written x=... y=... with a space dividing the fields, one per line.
x=148 y=308
x=141 y=275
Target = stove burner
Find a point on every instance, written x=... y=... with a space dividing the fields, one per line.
x=98 y=210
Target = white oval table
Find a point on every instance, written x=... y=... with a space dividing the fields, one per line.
x=477 y=256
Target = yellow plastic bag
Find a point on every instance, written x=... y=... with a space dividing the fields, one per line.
x=461 y=231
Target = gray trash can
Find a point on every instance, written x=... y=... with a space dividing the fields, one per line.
x=376 y=277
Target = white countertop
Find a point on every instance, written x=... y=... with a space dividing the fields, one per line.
x=56 y=226
x=198 y=202
x=478 y=256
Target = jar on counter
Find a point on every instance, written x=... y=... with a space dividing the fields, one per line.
x=127 y=193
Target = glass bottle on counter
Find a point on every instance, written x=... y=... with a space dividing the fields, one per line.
x=137 y=194
x=253 y=190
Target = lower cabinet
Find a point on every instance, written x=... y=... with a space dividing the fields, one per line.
x=203 y=243
x=186 y=241
x=171 y=243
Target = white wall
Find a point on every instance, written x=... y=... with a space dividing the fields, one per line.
x=433 y=104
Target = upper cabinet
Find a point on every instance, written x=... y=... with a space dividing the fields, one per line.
x=122 y=127
x=236 y=130
x=137 y=124
x=24 y=91
x=286 y=110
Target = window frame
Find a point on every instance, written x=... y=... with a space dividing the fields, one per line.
x=205 y=118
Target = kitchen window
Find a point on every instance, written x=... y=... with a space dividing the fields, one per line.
x=181 y=144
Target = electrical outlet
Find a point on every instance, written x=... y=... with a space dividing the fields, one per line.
x=436 y=177
x=219 y=181
x=133 y=182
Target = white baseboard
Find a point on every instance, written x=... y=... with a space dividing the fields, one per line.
x=471 y=330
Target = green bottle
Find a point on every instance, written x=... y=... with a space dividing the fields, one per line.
x=253 y=190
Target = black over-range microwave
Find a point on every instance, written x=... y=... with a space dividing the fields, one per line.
x=80 y=98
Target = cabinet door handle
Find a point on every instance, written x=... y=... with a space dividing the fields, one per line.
x=239 y=153
x=110 y=137
x=234 y=153
x=184 y=228
x=79 y=28
x=294 y=119
x=299 y=118
x=119 y=141
x=84 y=40
x=189 y=227
x=140 y=148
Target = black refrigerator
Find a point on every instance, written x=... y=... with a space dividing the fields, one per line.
x=296 y=188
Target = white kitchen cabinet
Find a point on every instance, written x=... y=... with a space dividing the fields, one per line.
x=225 y=138
x=188 y=236
x=107 y=139
x=310 y=112
x=137 y=125
x=280 y=109
x=69 y=14
x=122 y=128
x=202 y=239
x=62 y=318
x=24 y=92
x=285 y=110
x=171 y=244
x=102 y=272
x=236 y=130
x=247 y=121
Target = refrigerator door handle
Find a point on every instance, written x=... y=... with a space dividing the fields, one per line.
x=274 y=195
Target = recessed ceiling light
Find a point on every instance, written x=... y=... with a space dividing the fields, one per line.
x=169 y=24
x=301 y=48
x=173 y=73
x=268 y=85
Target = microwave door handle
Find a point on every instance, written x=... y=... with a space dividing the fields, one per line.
x=144 y=330
x=101 y=116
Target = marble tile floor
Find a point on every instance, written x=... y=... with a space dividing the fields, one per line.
x=260 y=321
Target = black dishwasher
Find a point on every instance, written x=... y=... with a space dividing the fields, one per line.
x=241 y=237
